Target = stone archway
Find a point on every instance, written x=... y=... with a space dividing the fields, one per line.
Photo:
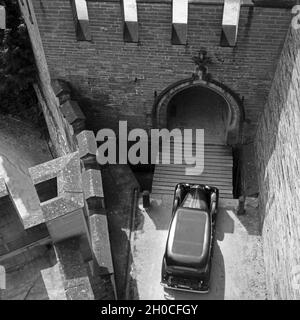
x=234 y=111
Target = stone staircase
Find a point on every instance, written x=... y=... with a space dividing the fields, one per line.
x=218 y=162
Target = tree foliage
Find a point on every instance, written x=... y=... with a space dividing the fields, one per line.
x=17 y=67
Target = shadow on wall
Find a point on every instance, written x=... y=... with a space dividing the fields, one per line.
x=12 y=232
x=225 y=225
x=248 y=25
x=33 y=276
x=118 y=185
x=251 y=219
x=98 y=112
x=158 y=217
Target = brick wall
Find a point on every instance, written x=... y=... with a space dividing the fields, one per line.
x=116 y=80
x=278 y=154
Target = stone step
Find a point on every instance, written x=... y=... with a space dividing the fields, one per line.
x=218 y=163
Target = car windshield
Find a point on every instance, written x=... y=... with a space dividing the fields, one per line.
x=195 y=199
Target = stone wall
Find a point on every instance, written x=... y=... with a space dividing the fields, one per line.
x=57 y=125
x=117 y=80
x=278 y=154
x=75 y=244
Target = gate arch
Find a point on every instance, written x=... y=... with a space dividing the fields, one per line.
x=234 y=105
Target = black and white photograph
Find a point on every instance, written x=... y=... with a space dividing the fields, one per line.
x=149 y=151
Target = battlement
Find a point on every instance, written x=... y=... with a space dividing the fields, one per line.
x=69 y=210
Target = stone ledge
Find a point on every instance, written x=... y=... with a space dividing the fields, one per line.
x=61 y=90
x=72 y=112
x=92 y=184
x=101 y=243
x=97 y=215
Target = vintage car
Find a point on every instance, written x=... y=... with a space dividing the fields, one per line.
x=187 y=260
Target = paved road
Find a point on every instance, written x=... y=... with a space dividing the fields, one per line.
x=237 y=270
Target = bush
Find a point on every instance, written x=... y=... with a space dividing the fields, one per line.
x=17 y=68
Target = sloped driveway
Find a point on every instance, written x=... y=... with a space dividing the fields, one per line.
x=237 y=270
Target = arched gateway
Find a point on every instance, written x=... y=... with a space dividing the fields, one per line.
x=198 y=104
x=203 y=105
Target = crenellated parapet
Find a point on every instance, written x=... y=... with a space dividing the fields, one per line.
x=137 y=48
x=230 y=22
x=59 y=186
x=95 y=207
x=69 y=108
x=180 y=13
x=69 y=209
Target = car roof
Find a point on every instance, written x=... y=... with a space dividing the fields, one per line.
x=189 y=228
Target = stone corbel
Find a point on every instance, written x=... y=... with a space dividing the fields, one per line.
x=61 y=90
x=131 y=31
x=81 y=19
x=230 y=23
x=73 y=115
x=179 y=21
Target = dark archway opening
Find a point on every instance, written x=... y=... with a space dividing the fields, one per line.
x=197 y=104
x=200 y=108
